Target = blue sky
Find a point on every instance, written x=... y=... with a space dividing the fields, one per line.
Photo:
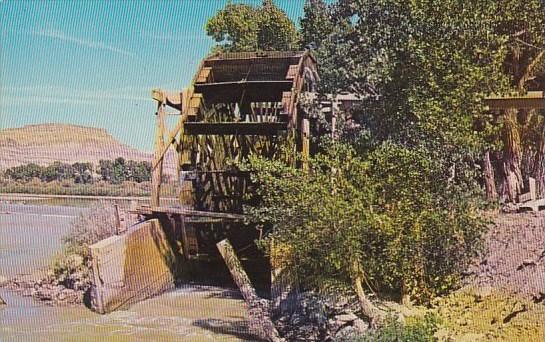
x=94 y=63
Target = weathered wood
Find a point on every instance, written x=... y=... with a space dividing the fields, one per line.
x=292 y=72
x=117 y=219
x=249 y=91
x=305 y=136
x=170 y=139
x=258 y=309
x=173 y=100
x=157 y=172
x=188 y=212
x=234 y=128
x=489 y=178
x=532 y=100
x=204 y=75
x=531 y=195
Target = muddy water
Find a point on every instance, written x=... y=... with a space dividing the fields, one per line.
x=31 y=235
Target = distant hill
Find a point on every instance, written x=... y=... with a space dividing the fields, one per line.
x=46 y=143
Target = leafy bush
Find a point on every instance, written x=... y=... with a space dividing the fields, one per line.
x=388 y=216
x=72 y=267
x=419 y=330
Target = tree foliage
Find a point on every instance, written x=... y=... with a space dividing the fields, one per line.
x=114 y=171
x=242 y=27
x=387 y=212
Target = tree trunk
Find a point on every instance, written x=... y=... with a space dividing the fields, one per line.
x=512 y=182
x=405 y=297
x=258 y=309
x=372 y=312
x=539 y=165
x=489 y=179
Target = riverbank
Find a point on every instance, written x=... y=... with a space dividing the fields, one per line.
x=30 y=237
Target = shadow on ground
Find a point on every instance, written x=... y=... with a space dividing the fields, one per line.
x=237 y=329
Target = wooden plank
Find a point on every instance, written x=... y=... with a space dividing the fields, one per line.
x=157 y=172
x=251 y=91
x=532 y=100
x=258 y=309
x=234 y=128
x=286 y=101
x=172 y=99
x=170 y=139
x=305 y=136
x=188 y=212
x=292 y=72
x=204 y=75
x=255 y=55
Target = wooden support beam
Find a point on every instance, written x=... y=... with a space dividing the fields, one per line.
x=234 y=128
x=170 y=139
x=188 y=212
x=204 y=75
x=305 y=136
x=253 y=91
x=292 y=72
x=258 y=309
x=532 y=100
x=157 y=172
x=171 y=99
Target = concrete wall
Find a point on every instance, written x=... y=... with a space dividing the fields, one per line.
x=131 y=267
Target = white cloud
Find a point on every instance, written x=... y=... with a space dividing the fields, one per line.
x=59 y=35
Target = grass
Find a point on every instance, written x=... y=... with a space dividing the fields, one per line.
x=100 y=188
x=478 y=315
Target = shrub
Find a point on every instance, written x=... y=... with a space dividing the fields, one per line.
x=387 y=217
x=419 y=330
x=72 y=267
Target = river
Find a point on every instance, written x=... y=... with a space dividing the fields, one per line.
x=30 y=236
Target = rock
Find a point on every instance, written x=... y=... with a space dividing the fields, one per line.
x=360 y=325
x=527 y=262
x=346 y=318
x=346 y=332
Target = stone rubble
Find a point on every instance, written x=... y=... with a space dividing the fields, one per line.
x=46 y=290
x=314 y=318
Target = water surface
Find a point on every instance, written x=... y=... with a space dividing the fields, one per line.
x=30 y=235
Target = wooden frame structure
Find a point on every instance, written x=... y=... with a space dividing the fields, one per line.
x=532 y=100
x=237 y=104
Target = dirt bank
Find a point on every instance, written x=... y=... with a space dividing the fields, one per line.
x=514 y=257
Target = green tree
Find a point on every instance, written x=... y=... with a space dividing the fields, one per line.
x=24 y=172
x=316 y=24
x=58 y=171
x=387 y=219
x=241 y=27
x=83 y=172
x=119 y=171
x=432 y=66
x=105 y=168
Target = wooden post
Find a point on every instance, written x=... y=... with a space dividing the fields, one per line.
x=489 y=178
x=117 y=219
x=532 y=188
x=157 y=173
x=305 y=135
x=258 y=309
